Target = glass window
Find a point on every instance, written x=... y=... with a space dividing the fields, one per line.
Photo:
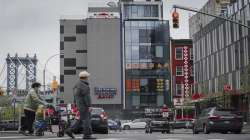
x=154 y=11
x=179 y=71
x=147 y=11
x=134 y=36
x=179 y=89
x=159 y=51
x=81 y=29
x=178 y=53
x=61 y=29
x=69 y=38
x=140 y=11
x=136 y=100
x=191 y=53
x=145 y=52
x=128 y=52
x=134 y=11
x=69 y=62
x=135 y=52
x=144 y=85
x=148 y=99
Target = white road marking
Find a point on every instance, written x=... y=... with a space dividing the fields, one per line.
x=56 y=138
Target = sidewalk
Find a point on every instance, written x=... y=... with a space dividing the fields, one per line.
x=246 y=129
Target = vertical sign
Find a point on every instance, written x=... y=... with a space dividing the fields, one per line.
x=186 y=72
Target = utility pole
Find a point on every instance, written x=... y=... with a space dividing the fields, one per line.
x=204 y=13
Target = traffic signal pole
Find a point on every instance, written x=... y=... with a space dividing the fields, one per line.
x=204 y=13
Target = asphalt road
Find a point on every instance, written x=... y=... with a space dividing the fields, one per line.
x=135 y=135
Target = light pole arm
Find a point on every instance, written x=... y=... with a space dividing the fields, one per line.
x=204 y=13
x=44 y=70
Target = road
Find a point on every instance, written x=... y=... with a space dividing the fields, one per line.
x=136 y=135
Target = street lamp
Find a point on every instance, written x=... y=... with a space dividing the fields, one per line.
x=44 y=71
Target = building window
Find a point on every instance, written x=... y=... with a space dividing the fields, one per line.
x=69 y=62
x=61 y=56
x=191 y=54
x=178 y=53
x=144 y=85
x=61 y=45
x=69 y=72
x=179 y=89
x=179 y=71
x=81 y=51
x=70 y=38
x=159 y=51
x=61 y=79
x=146 y=100
x=62 y=88
x=81 y=29
x=61 y=29
x=81 y=68
x=145 y=52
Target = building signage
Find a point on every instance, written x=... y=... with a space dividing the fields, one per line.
x=105 y=93
x=103 y=15
x=186 y=73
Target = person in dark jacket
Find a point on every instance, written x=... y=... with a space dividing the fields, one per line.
x=83 y=103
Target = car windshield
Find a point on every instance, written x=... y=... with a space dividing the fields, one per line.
x=97 y=111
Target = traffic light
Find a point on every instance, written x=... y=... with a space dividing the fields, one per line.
x=175 y=16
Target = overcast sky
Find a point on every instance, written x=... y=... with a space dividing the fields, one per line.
x=32 y=26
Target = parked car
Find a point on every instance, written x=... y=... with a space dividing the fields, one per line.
x=158 y=125
x=182 y=124
x=99 y=121
x=135 y=124
x=8 y=125
x=218 y=120
x=112 y=125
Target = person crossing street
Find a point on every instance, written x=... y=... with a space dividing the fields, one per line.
x=83 y=103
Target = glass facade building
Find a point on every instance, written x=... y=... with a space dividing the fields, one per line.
x=146 y=55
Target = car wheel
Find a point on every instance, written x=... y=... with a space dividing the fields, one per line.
x=126 y=127
x=168 y=131
x=238 y=131
x=205 y=129
x=162 y=132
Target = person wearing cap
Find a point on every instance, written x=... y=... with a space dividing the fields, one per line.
x=83 y=102
x=31 y=104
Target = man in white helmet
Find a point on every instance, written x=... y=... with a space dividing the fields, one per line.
x=83 y=103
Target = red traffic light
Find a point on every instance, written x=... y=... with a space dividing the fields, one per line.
x=175 y=16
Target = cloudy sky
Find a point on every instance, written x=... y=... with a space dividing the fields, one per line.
x=32 y=26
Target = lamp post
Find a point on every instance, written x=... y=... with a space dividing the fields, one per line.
x=44 y=71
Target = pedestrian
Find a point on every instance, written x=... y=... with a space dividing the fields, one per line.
x=83 y=103
x=31 y=104
x=119 y=124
